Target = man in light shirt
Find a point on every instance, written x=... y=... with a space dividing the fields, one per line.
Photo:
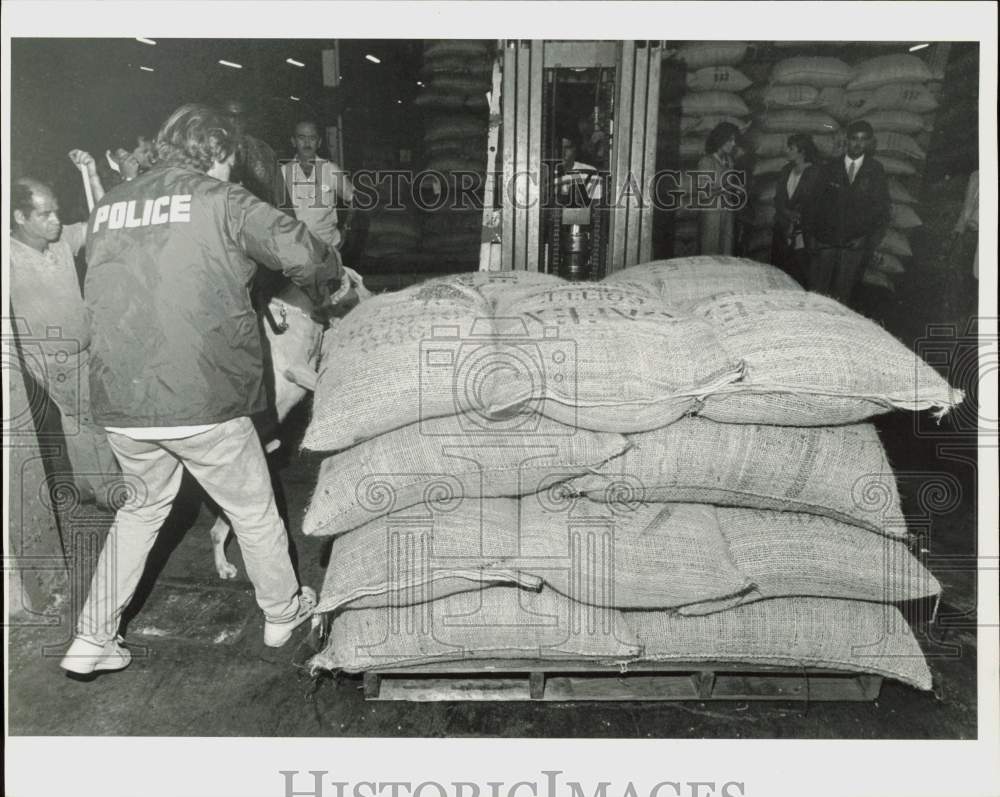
x=847 y=216
x=315 y=185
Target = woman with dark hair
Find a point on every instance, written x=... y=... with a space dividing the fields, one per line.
x=795 y=187
x=717 y=223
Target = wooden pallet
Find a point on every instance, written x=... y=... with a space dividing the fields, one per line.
x=531 y=680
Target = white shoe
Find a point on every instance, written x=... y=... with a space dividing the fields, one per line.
x=86 y=656
x=277 y=634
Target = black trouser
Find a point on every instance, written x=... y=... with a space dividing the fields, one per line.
x=836 y=270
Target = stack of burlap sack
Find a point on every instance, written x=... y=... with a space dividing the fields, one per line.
x=712 y=94
x=820 y=96
x=674 y=464
x=457 y=76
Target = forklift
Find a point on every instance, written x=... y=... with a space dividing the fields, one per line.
x=571 y=153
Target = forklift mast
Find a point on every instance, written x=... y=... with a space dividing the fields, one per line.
x=571 y=156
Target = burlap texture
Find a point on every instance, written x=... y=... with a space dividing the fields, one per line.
x=626 y=556
x=815 y=71
x=468 y=457
x=790 y=632
x=885 y=69
x=839 y=472
x=813 y=362
x=495 y=623
x=605 y=357
x=791 y=554
x=398 y=358
x=425 y=553
x=682 y=281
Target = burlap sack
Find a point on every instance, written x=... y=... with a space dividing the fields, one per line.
x=605 y=357
x=839 y=472
x=705 y=124
x=896 y=166
x=697 y=55
x=904 y=217
x=813 y=362
x=900 y=144
x=508 y=285
x=815 y=71
x=884 y=69
x=788 y=554
x=462 y=457
x=878 y=279
x=717 y=78
x=456 y=48
x=792 y=96
x=398 y=358
x=638 y=556
x=713 y=103
x=797 y=121
x=425 y=552
x=790 y=632
x=454 y=127
x=495 y=623
x=897 y=121
x=681 y=281
x=898 y=193
x=888 y=264
x=768 y=166
x=692 y=147
x=895 y=243
x=913 y=97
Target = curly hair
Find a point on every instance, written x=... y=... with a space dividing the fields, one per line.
x=804 y=143
x=720 y=134
x=195 y=136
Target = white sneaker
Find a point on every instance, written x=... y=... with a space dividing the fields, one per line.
x=86 y=656
x=277 y=634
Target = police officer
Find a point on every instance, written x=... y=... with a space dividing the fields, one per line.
x=176 y=366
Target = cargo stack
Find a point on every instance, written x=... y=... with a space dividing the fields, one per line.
x=791 y=102
x=457 y=76
x=711 y=94
x=673 y=465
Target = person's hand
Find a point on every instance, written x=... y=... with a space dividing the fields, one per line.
x=83 y=159
x=130 y=167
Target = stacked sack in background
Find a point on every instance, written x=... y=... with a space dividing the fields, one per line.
x=671 y=465
x=457 y=75
x=711 y=94
x=791 y=102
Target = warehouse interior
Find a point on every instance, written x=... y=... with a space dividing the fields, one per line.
x=405 y=106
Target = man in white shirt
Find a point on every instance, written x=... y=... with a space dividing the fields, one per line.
x=315 y=185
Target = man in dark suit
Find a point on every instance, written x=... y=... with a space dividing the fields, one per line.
x=847 y=216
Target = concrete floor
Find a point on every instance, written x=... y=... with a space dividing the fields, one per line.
x=202 y=670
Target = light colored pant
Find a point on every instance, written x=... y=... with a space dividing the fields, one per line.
x=229 y=463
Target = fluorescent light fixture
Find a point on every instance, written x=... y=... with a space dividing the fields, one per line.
x=147 y=69
x=144 y=40
x=420 y=83
x=399 y=102
x=916 y=47
x=293 y=62
x=231 y=64
x=373 y=59
x=293 y=97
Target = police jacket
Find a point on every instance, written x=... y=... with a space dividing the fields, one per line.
x=842 y=212
x=174 y=337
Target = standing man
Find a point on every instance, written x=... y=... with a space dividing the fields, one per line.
x=125 y=159
x=177 y=366
x=256 y=165
x=52 y=326
x=847 y=216
x=315 y=185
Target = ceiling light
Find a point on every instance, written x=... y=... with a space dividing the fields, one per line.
x=916 y=47
x=399 y=102
x=231 y=64
x=420 y=83
x=147 y=69
x=293 y=62
x=373 y=59
x=145 y=40
x=293 y=97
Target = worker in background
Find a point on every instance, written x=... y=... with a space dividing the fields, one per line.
x=577 y=184
x=51 y=326
x=127 y=157
x=315 y=185
x=968 y=219
x=176 y=366
x=797 y=181
x=256 y=165
x=717 y=222
x=846 y=216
